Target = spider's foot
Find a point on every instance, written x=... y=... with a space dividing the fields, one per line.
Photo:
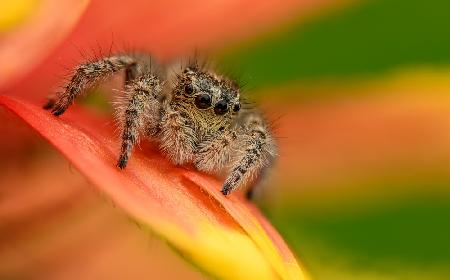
x=226 y=190
x=57 y=107
x=122 y=162
x=50 y=104
x=57 y=111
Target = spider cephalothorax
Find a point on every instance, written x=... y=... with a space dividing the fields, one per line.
x=211 y=101
x=194 y=113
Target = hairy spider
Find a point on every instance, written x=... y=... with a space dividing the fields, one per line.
x=194 y=113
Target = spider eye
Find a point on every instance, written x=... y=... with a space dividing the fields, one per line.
x=189 y=89
x=221 y=107
x=237 y=107
x=203 y=101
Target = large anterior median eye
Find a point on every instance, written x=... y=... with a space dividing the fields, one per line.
x=203 y=101
x=221 y=107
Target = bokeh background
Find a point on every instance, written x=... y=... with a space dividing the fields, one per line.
x=358 y=92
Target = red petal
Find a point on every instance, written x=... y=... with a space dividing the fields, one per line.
x=182 y=205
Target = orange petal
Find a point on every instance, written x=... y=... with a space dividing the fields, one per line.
x=225 y=236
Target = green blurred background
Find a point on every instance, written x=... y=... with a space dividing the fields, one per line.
x=364 y=39
x=393 y=222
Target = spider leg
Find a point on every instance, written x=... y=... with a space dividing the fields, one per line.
x=87 y=75
x=255 y=151
x=139 y=106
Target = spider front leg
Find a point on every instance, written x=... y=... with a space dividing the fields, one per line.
x=86 y=76
x=137 y=111
x=256 y=150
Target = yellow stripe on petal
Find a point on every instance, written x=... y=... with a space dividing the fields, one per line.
x=14 y=12
x=224 y=253
x=269 y=243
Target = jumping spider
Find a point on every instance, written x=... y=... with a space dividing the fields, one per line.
x=194 y=113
